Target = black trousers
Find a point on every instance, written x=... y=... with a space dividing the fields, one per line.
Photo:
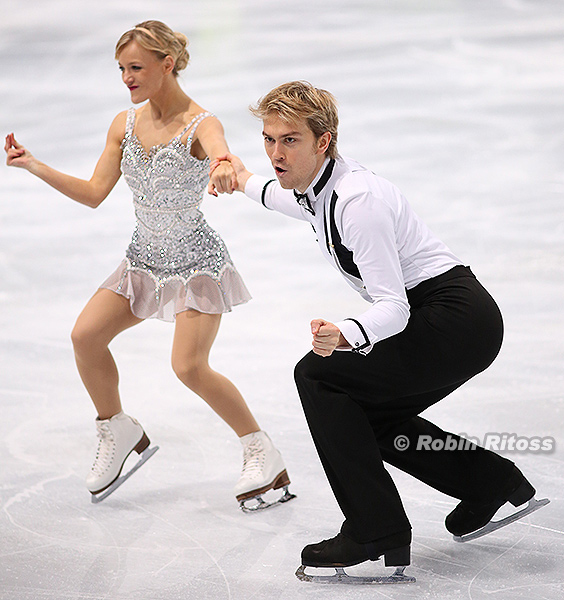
x=357 y=406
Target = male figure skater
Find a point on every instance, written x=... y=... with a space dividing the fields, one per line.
x=430 y=327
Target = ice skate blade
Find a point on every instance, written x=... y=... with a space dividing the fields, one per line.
x=261 y=504
x=143 y=458
x=342 y=577
x=495 y=525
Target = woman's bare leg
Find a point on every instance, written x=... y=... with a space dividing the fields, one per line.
x=193 y=338
x=105 y=315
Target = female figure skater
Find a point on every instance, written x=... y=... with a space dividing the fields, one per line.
x=176 y=267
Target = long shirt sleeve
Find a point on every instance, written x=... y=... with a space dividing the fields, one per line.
x=389 y=247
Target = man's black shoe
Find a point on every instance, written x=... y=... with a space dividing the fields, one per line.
x=342 y=551
x=471 y=516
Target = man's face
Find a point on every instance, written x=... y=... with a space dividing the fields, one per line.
x=294 y=151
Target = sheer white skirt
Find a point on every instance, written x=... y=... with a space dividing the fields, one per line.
x=151 y=297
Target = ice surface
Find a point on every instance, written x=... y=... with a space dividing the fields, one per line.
x=458 y=103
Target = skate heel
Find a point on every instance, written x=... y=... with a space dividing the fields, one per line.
x=281 y=480
x=143 y=444
x=522 y=494
x=398 y=557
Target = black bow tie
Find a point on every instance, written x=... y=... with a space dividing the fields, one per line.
x=303 y=201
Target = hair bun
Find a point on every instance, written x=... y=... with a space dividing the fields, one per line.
x=183 y=56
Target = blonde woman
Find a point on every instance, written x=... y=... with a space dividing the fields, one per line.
x=176 y=267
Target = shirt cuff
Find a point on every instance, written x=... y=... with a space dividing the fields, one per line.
x=255 y=186
x=356 y=335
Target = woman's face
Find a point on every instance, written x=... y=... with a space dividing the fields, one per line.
x=143 y=72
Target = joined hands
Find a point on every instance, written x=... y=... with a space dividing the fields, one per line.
x=227 y=175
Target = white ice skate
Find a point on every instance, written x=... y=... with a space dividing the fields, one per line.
x=118 y=437
x=263 y=470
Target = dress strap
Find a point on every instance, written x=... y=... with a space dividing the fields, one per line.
x=193 y=125
x=130 y=122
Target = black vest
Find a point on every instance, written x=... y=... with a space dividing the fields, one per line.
x=343 y=255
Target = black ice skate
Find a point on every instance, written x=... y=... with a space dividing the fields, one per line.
x=472 y=520
x=341 y=551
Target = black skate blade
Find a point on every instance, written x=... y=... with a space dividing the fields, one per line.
x=341 y=577
x=262 y=504
x=531 y=507
x=143 y=458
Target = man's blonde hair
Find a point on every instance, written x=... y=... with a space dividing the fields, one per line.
x=300 y=100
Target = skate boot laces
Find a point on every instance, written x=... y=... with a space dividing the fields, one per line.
x=254 y=457
x=106 y=449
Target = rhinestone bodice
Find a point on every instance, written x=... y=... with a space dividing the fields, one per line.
x=167 y=182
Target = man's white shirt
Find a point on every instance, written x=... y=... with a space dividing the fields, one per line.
x=391 y=247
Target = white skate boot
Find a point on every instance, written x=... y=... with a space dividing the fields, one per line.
x=118 y=437
x=263 y=470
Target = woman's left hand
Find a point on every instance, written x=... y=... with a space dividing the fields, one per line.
x=222 y=178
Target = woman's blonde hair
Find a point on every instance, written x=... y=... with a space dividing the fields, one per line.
x=160 y=39
x=300 y=100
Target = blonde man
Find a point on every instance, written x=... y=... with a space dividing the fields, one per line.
x=430 y=327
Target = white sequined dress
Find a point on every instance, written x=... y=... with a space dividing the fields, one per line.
x=175 y=260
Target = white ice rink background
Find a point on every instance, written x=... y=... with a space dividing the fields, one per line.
x=460 y=104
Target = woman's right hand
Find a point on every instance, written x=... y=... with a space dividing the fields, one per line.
x=89 y=192
x=18 y=156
